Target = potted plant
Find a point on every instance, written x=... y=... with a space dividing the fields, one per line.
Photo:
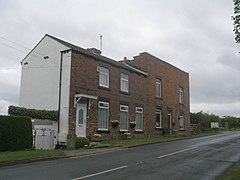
x=115 y=123
x=132 y=124
x=126 y=135
x=96 y=137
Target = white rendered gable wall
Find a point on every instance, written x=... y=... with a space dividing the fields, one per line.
x=40 y=79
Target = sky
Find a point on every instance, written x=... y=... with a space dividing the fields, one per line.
x=196 y=36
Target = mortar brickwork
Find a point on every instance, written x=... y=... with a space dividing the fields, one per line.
x=142 y=91
x=84 y=80
x=172 y=79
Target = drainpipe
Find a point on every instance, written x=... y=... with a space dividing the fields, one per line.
x=59 y=96
x=60 y=92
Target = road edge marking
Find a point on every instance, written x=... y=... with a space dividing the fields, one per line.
x=99 y=173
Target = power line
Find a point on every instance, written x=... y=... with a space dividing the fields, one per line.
x=13 y=47
x=35 y=53
x=7 y=68
x=15 y=43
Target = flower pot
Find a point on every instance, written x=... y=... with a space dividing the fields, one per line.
x=132 y=125
x=115 y=124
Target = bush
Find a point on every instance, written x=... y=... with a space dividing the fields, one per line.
x=97 y=135
x=204 y=119
x=165 y=131
x=81 y=142
x=127 y=134
x=233 y=122
x=15 y=133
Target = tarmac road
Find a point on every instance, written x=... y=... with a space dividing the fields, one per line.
x=197 y=158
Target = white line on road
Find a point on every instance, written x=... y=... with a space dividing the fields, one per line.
x=177 y=152
x=99 y=173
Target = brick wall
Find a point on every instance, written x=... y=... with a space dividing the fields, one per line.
x=142 y=91
x=84 y=79
x=171 y=78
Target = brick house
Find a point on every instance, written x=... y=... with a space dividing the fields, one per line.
x=91 y=90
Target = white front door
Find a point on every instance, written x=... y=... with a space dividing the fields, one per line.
x=81 y=115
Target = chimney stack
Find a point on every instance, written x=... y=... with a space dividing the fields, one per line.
x=94 y=51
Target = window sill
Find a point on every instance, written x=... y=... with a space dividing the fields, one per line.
x=104 y=131
x=123 y=130
x=158 y=128
x=159 y=98
x=125 y=93
x=104 y=88
x=181 y=129
x=138 y=131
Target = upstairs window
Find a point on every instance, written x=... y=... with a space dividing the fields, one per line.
x=124 y=83
x=158 y=88
x=103 y=115
x=158 y=118
x=139 y=119
x=181 y=95
x=103 y=77
x=123 y=118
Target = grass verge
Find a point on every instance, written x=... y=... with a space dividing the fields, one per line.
x=35 y=154
x=156 y=139
x=141 y=141
x=29 y=154
x=232 y=174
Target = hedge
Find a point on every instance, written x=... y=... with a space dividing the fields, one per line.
x=33 y=113
x=15 y=133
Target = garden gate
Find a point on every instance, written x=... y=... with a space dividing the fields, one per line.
x=43 y=138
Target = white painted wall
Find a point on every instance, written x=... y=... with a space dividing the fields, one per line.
x=64 y=110
x=40 y=79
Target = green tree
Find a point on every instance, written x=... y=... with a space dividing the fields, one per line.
x=204 y=119
x=236 y=20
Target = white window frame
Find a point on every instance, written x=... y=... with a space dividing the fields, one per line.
x=124 y=108
x=139 y=110
x=103 y=105
x=181 y=95
x=181 y=118
x=124 y=80
x=158 y=84
x=159 y=111
x=103 y=74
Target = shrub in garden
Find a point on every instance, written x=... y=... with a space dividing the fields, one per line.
x=81 y=142
x=15 y=133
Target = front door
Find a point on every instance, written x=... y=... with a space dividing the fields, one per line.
x=81 y=115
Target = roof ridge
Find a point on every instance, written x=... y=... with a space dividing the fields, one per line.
x=66 y=43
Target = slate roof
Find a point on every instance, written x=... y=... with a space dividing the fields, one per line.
x=99 y=57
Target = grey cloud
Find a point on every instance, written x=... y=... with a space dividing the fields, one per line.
x=195 y=36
